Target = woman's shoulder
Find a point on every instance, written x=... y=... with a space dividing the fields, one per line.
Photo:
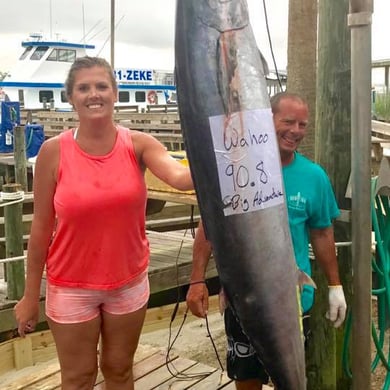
x=141 y=138
x=52 y=142
x=50 y=149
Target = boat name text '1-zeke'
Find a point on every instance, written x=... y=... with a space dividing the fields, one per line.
x=133 y=74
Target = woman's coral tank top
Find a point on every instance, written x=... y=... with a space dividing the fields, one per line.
x=99 y=240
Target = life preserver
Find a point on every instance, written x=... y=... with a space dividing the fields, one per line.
x=152 y=97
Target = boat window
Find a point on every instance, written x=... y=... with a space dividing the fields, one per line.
x=172 y=99
x=25 y=53
x=52 y=55
x=66 y=55
x=124 y=97
x=140 y=96
x=64 y=99
x=39 y=52
x=62 y=55
x=170 y=80
x=45 y=96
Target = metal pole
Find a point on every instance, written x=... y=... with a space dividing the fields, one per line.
x=112 y=33
x=359 y=20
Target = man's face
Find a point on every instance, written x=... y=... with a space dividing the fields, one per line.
x=290 y=124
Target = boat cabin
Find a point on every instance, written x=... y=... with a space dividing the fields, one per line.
x=37 y=80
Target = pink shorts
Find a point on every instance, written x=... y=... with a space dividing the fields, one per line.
x=68 y=305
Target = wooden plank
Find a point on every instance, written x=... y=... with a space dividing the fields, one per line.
x=167 y=128
x=50 y=382
x=7 y=357
x=160 y=317
x=380 y=129
x=149 y=364
x=231 y=386
x=27 y=378
x=189 y=378
x=214 y=381
x=23 y=352
x=143 y=352
x=173 y=197
x=156 y=377
x=161 y=107
x=166 y=278
x=43 y=346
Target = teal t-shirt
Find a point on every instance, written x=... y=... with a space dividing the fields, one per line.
x=311 y=204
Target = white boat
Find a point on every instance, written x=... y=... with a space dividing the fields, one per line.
x=37 y=80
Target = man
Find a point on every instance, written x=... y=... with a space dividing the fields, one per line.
x=3 y=96
x=311 y=209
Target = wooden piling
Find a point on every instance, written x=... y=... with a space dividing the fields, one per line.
x=20 y=157
x=13 y=228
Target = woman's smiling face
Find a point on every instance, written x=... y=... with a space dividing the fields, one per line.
x=93 y=94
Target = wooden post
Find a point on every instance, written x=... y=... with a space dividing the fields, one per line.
x=20 y=157
x=13 y=227
x=302 y=61
x=333 y=153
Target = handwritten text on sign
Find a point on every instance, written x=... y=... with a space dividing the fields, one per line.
x=248 y=161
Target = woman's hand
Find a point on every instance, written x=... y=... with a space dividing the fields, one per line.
x=26 y=314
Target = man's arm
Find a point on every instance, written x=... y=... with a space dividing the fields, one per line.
x=198 y=295
x=322 y=241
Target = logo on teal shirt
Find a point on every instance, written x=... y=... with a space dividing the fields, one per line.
x=297 y=202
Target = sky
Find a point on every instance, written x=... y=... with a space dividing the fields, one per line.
x=144 y=34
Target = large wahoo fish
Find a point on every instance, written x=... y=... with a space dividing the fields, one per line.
x=234 y=159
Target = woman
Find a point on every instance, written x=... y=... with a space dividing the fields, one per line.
x=89 y=231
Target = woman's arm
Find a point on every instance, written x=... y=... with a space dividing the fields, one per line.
x=27 y=310
x=152 y=154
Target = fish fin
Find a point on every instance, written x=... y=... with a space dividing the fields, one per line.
x=304 y=279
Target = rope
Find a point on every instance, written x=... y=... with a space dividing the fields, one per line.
x=12 y=259
x=175 y=373
x=12 y=197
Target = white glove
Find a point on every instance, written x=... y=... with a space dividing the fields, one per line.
x=337 y=306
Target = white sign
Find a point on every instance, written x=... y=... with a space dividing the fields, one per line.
x=248 y=162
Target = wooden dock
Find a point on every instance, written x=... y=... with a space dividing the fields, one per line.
x=36 y=367
x=152 y=370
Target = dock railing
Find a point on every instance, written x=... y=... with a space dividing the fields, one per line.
x=161 y=121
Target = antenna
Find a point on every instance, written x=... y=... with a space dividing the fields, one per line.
x=82 y=7
x=91 y=30
x=116 y=26
x=51 y=21
x=112 y=33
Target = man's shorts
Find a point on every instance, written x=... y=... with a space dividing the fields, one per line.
x=68 y=305
x=242 y=361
